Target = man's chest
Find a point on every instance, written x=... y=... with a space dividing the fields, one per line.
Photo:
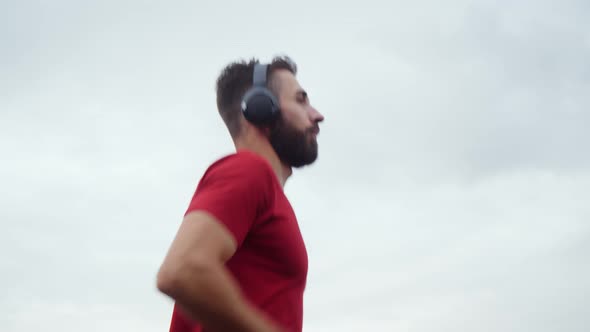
x=276 y=243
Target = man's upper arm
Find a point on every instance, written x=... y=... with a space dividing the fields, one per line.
x=200 y=241
x=221 y=213
x=202 y=236
x=235 y=192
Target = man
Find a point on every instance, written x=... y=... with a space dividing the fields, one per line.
x=238 y=261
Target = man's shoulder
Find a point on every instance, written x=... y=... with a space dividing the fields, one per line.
x=245 y=157
x=243 y=164
x=240 y=160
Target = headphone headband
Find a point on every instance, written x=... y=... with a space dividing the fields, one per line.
x=259 y=75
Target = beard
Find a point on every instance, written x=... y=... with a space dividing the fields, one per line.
x=294 y=147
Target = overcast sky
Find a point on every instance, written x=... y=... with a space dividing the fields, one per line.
x=451 y=192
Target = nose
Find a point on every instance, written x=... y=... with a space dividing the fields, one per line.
x=316 y=116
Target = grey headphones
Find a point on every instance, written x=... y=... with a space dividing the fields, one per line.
x=259 y=104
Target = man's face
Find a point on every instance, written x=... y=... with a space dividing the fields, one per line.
x=294 y=134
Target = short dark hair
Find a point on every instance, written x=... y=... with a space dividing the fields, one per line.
x=233 y=82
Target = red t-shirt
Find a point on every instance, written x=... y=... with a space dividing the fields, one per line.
x=270 y=265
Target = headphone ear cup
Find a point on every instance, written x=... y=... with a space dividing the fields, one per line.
x=260 y=106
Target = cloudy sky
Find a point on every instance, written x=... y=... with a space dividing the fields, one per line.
x=451 y=192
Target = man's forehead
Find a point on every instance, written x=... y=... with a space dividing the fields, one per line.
x=287 y=81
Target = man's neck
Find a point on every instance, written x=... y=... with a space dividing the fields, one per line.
x=265 y=150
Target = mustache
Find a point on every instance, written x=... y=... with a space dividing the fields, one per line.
x=314 y=129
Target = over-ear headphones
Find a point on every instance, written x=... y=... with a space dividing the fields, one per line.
x=259 y=104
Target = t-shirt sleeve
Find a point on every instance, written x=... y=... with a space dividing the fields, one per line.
x=235 y=190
